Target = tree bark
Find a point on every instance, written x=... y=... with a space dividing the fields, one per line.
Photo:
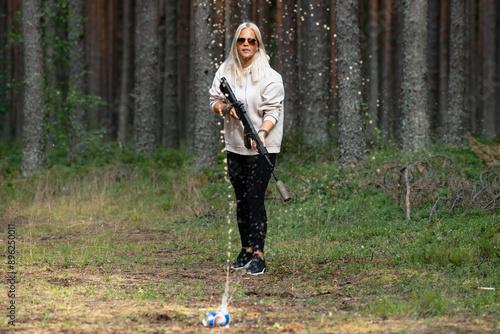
x=487 y=81
x=206 y=137
x=455 y=134
x=388 y=63
x=95 y=38
x=352 y=145
x=315 y=71
x=125 y=77
x=146 y=77
x=334 y=104
x=471 y=102
x=261 y=15
x=4 y=102
x=286 y=13
x=433 y=37
x=444 y=66
x=373 y=93
x=34 y=139
x=414 y=91
x=170 y=105
x=183 y=86
x=77 y=66
x=245 y=11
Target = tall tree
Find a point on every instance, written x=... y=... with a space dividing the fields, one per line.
x=387 y=19
x=497 y=82
x=314 y=75
x=415 y=129
x=455 y=116
x=16 y=53
x=34 y=140
x=487 y=88
x=287 y=62
x=261 y=12
x=373 y=95
x=352 y=145
x=245 y=11
x=170 y=105
x=77 y=66
x=102 y=59
x=206 y=137
x=433 y=52
x=146 y=77
x=4 y=69
x=471 y=53
x=53 y=68
x=183 y=48
x=444 y=66
x=125 y=77
x=333 y=73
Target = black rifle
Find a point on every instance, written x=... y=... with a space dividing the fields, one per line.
x=243 y=117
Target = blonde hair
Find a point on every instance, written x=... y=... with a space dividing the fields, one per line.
x=260 y=62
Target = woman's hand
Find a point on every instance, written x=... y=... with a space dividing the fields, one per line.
x=233 y=114
x=262 y=133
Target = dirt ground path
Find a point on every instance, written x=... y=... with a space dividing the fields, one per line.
x=174 y=299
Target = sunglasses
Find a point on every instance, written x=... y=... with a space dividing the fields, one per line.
x=251 y=41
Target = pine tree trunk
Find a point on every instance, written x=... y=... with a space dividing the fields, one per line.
x=206 y=136
x=373 y=98
x=262 y=15
x=94 y=30
x=245 y=11
x=471 y=102
x=146 y=77
x=125 y=77
x=34 y=139
x=287 y=65
x=4 y=119
x=352 y=145
x=170 y=105
x=497 y=81
x=183 y=85
x=334 y=93
x=455 y=134
x=487 y=81
x=414 y=94
x=78 y=117
x=433 y=25
x=444 y=66
x=315 y=71
x=388 y=64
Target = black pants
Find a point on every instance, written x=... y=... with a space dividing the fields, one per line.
x=250 y=176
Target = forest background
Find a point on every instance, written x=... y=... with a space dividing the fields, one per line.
x=113 y=184
x=139 y=72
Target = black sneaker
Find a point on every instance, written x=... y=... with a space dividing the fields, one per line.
x=243 y=260
x=257 y=266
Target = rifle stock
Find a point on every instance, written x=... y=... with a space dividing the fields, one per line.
x=242 y=115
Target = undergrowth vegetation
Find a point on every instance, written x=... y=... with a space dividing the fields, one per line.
x=341 y=233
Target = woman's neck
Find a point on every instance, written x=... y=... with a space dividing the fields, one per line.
x=245 y=63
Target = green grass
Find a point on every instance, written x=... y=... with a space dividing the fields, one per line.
x=341 y=233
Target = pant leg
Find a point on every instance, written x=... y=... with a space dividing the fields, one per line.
x=238 y=176
x=259 y=174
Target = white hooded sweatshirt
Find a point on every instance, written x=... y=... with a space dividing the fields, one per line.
x=263 y=100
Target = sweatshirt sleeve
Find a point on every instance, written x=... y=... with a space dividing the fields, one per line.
x=273 y=95
x=215 y=92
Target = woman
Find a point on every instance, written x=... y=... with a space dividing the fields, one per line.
x=260 y=89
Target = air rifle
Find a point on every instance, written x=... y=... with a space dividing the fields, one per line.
x=243 y=117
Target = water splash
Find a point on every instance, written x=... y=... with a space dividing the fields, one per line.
x=226 y=296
